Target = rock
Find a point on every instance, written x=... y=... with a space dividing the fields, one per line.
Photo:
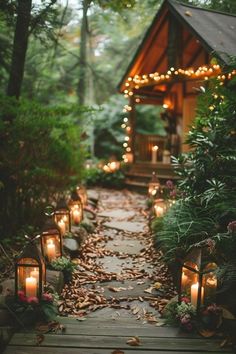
x=7 y=287
x=89 y=214
x=55 y=279
x=80 y=233
x=88 y=225
x=71 y=244
x=93 y=196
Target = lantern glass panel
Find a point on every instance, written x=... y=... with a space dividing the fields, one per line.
x=153 y=188
x=76 y=209
x=62 y=219
x=209 y=281
x=189 y=277
x=159 y=207
x=82 y=193
x=51 y=244
x=28 y=275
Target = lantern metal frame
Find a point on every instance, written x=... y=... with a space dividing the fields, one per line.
x=31 y=251
x=76 y=200
x=204 y=264
x=82 y=194
x=154 y=185
x=52 y=230
x=62 y=209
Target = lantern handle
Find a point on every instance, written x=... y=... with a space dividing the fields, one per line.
x=49 y=210
x=32 y=239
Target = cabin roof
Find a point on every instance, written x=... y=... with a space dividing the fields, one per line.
x=211 y=31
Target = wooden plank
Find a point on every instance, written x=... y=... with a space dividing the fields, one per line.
x=107 y=342
x=45 y=350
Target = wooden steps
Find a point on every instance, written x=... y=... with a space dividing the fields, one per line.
x=140 y=173
x=98 y=335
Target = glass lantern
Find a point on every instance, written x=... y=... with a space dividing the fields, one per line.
x=154 y=186
x=62 y=217
x=198 y=278
x=30 y=271
x=76 y=208
x=159 y=208
x=82 y=193
x=51 y=240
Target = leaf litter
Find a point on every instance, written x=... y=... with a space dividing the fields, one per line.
x=86 y=293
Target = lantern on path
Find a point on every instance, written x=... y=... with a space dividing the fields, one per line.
x=51 y=240
x=62 y=217
x=76 y=208
x=159 y=207
x=82 y=193
x=154 y=186
x=30 y=271
x=198 y=278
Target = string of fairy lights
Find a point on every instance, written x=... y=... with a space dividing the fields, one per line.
x=133 y=84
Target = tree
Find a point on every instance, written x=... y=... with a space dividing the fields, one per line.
x=19 y=47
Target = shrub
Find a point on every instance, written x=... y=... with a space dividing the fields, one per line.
x=41 y=155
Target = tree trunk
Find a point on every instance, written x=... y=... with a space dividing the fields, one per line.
x=81 y=89
x=19 y=48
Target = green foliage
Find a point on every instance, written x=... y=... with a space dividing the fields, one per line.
x=148 y=120
x=183 y=225
x=63 y=264
x=41 y=156
x=97 y=177
x=208 y=178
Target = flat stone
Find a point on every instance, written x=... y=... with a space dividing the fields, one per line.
x=55 y=279
x=71 y=244
x=126 y=226
x=117 y=214
x=127 y=246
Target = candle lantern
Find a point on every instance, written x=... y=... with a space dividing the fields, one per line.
x=198 y=278
x=159 y=207
x=51 y=240
x=30 y=271
x=76 y=208
x=154 y=186
x=82 y=193
x=62 y=217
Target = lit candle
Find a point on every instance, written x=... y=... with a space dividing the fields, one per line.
x=76 y=216
x=30 y=286
x=51 y=250
x=184 y=281
x=35 y=274
x=194 y=294
x=62 y=226
x=159 y=211
x=154 y=153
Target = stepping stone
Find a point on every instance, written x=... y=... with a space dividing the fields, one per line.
x=127 y=246
x=117 y=214
x=126 y=226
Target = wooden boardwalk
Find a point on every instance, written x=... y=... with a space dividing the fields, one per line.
x=106 y=336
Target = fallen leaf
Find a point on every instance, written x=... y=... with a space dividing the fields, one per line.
x=117 y=351
x=134 y=341
x=39 y=339
x=149 y=290
x=115 y=290
x=157 y=285
x=206 y=333
x=188 y=13
x=227 y=314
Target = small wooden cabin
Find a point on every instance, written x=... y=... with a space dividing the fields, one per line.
x=183 y=47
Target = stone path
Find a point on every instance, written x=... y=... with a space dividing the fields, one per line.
x=117 y=293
